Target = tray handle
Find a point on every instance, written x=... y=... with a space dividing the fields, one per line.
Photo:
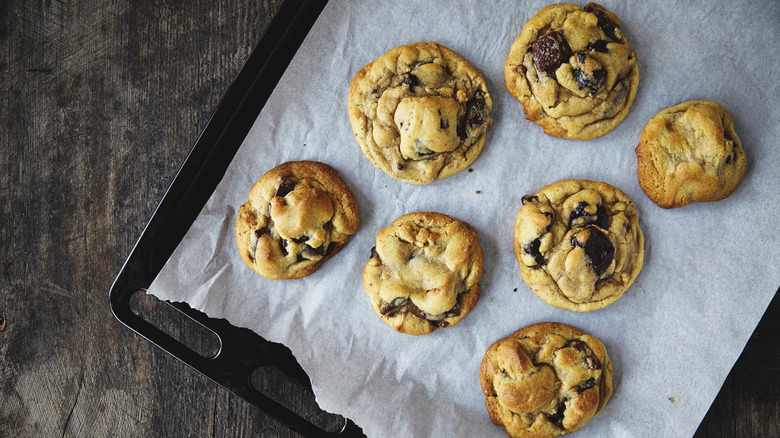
x=240 y=354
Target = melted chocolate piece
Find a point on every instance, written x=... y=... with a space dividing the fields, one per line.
x=586 y=385
x=475 y=114
x=598 y=249
x=283 y=246
x=320 y=250
x=391 y=308
x=374 y=254
x=590 y=359
x=600 y=219
x=604 y=22
x=475 y=110
x=598 y=46
x=557 y=417
x=261 y=231
x=550 y=51
x=410 y=80
x=590 y=81
x=530 y=198
x=532 y=249
x=286 y=185
x=300 y=239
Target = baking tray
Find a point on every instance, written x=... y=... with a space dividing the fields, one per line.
x=241 y=352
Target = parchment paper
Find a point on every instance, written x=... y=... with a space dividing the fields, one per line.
x=710 y=269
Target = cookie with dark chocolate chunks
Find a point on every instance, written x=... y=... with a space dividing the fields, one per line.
x=578 y=244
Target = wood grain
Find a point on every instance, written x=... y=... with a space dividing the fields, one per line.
x=100 y=102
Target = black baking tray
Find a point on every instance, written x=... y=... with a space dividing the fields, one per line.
x=241 y=352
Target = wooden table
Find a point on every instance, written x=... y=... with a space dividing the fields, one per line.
x=100 y=102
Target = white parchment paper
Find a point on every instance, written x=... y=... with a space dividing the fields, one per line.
x=710 y=269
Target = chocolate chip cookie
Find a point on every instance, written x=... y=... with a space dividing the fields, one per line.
x=298 y=215
x=545 y=380
x=579 y=244
x=420 y=112
x=690 y=153
x=573 y=71
x=424 y=272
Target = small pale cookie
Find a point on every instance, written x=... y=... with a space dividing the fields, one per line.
x=420 y=112
x=690 y=153
x=573 y=71
x=298 y=215
x=424 y=272
x=545 y=380
x=578 y=244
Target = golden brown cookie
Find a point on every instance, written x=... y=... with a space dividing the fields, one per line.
x=690 y=153
x=578 y=244
x=298 y=215
x=420 y=112
x=573 y=71
x=424 y=272
x=545 y=380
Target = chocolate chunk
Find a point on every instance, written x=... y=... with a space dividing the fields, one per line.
x=286 y=185
x=455 y=311
x=600 y=219
x=591 y=81
x=261 y=231
x=604 y=22
x=475 y=114
x=591 y=361
x=301 y=239
x=586 y=385
x=440 y=322
x=416 y=311
x=283 y=246
x=529 y=198
x=598 y=46
x=320 y=250
x=598 y=248
x=443 y=124
x=532 y=249
x=400 y=166
x=557 y=417
x=410 y=80
x=475 y=110
x=374 y=254
x=550 y=51
x=391 y=308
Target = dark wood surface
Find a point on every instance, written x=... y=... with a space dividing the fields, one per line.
x=100 y=102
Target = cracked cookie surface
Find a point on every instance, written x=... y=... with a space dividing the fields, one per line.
x=420 y=112
x=573 y=71
x=690 y=153
x=578 y=244
x=545 y=380
x=298 y=215
x=424 y=272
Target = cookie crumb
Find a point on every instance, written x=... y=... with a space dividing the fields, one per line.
x=479 y=191
x=515 y=290
x=471 y=169
x=672 y=399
